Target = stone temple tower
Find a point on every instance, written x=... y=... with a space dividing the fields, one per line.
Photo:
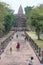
x=20 y=11
x=21 y=21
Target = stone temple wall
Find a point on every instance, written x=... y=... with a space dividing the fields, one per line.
x=21 y=22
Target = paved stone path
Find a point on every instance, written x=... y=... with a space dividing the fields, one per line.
x=20 y=57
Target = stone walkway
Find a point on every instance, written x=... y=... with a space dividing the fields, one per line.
x=20 y=57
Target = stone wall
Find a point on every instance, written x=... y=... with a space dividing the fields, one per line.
x=38 y=51
x=4 y=42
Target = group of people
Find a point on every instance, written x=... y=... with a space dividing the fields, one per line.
x=17 y=47
x=31 y=61
x=18 y=44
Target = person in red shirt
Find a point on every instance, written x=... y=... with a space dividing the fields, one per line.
x=18 y=45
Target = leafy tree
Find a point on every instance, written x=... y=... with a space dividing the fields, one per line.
x=28 y=11
x=3 y=12
x=7 y=18
x=37 y=20
x=9 y=22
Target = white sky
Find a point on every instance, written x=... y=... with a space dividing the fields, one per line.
x=14 y=4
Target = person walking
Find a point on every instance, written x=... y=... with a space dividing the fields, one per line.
x=17 y=35
x=18 y=46
x=31 y=62
x=10 y=50
x=26 y=38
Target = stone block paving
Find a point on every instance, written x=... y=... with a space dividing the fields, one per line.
x=18 y=57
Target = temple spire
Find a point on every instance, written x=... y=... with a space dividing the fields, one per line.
x=20 y=11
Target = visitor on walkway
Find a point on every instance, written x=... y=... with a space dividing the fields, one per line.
x=17 y=35
x=31 y=61
x=18 y=46
x=26 y=38
x=10 y=50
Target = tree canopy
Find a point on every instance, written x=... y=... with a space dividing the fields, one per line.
x=36 y=19
x=7 y=17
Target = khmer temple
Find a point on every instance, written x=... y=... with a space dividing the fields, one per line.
x=21 y=22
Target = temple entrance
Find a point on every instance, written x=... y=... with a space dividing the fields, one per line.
x=21 y=21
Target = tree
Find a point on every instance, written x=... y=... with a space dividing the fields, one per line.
x=37 y=20
x=3 y=12
x=7 y=18
x=28 y=11
x=9 y=22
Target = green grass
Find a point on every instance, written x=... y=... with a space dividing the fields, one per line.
x=34 y=37
x=39 y=43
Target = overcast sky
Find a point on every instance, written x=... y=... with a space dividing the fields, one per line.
x=14 y=4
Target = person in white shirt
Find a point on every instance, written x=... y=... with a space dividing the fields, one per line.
x=31 y=62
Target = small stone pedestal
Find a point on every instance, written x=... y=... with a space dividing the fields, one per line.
x=42 y=58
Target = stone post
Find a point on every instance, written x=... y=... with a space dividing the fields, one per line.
x=37 y=48
x=0 y=48
x=42 y=57
x=39 y=51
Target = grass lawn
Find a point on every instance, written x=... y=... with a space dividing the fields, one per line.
x=34 y=37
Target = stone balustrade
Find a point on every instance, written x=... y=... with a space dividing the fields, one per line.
x=5 y=42
x=36 y=48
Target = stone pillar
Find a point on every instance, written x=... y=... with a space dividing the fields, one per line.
x=37 y=48
x=39 y=51
x=0 y=48
x=42 y=57
x=34 y=46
